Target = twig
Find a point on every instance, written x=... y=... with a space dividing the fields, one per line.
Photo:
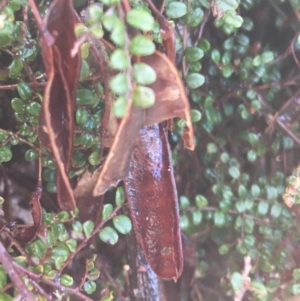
x=201 y=28
x=7 y=263
x=85 y=241
x=15 y=86
x=246 y=279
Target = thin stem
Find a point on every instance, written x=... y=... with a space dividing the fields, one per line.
x=7 y=263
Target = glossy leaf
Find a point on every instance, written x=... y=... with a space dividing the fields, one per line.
x=66 y=280
x=119 y=59
x=107 y=211
x=143 y=97
x=120 y=196
x=141 y=45
x=119 y=84
x=152 y=199
x=140 y=19
x=236 y=280
x=144 y=74
x=176 y=9
x=89 y=287
x=109 y=235
x=122 y=223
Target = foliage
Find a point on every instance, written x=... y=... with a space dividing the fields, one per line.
x=239 y=62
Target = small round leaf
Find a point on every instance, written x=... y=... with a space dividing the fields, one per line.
x=140 y=45
x=140 y=19
x=122 y=223
x=109 y=235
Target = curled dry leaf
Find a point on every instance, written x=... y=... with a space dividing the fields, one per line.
x=26 y=234
x=152 y=199
x=171 y=102
x=56 y=119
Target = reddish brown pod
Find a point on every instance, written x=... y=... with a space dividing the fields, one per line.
x=152 y=199
x=56 y=120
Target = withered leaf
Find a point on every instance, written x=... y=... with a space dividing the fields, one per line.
x=56 y=120
x=152 y=199
x=171 y=101
x=25 y=234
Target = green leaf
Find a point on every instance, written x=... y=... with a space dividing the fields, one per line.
x=184 y=202
x=195 y=80
x=6 y=297
x=144 y=74
x=224 y=157
x=119 y=84
x=119 y=60
x=122 y=223
x=223 y=249
x=60 y=254
x=18 y=105
x=89 y=287
x=296 y=274
x=176 y=10
x=72 y=244
x=193 y=54
x=231 y=18
x=262 y=208
x=296 y=288
x=194 y=17
x=109 y=297
x=120 y=107
x=197 y=217
x=24 y=90
x=93 y=274
x=85 y=97
x=107 y=211
x=215 y=55
x=97 y=31
x=140 y=45
x=195 y=115
x=95 y=12
x=15 y=68
x=140 y=19
x=255 y=190
x=251 y=156
x=77 y=226
x=249 y=225
x=118 y=33
x=109 y=235
x=109 y=21
x=276 y=211
x=5 y=154
x=143 y=97
x=63 y=216
x=234 y=172
x=236 y=281
x=66 y=280
x=258 y=289
x=219 y=218
x=184 y=222
x=225 y=5
x=33 y=108
x=201 y=201
x=120 y=196
x=267 y=57
x=31 y=155
x=88 y=228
